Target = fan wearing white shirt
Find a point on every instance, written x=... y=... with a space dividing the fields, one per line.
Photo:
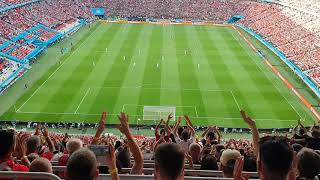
x=187 y=135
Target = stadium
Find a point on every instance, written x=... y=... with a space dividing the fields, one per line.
x=159 y=89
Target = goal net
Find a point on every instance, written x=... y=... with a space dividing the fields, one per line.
x=154 y=113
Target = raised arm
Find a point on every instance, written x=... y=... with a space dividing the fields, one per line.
x=156 y=132
x=294 y=130
x=167 y=127
x=206 y=131
x=100 y=128
x=189 y=125
x=216 y=130
x=48 y=139
x=137 y=167
x=175 y=130
x=302 y=126
x=255 y=133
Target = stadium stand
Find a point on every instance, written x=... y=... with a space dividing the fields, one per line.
x=291 y=28
x=128 y=158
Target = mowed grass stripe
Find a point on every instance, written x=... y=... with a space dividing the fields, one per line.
x=152 y=73
x=98 y=102
x=106 y=97
x=225 y=69
x=96 y=78
x=221 y=71
x=99 y=64
x=129 y=95
x=218 y=103
x=249 y=77
x=170 y=73
x=278 y=106
x=187 y=75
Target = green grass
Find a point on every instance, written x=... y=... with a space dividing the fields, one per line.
x=219 y=76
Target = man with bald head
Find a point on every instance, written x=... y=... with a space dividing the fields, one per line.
x=195 y=152
x=41 y=165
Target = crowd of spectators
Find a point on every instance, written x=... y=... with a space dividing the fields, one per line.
x=51 y=13
x=290 y=28
x=7 y=68
x=174 y=149
x=215 y=10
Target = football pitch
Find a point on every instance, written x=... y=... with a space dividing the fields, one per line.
x=207 y=72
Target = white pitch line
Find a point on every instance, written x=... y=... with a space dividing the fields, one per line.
x=195 y=108
x=163 y=88
x=75 y=112
x=235 y=100
x=269 y=78
x=52 y=74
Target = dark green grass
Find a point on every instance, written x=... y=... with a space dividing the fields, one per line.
x=219 y=75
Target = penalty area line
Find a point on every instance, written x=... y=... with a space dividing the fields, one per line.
x=235 y=99
x=87 y=92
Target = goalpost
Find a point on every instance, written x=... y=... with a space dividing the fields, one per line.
x=155 y=113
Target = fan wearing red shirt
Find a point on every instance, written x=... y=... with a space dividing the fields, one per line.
x=163 y=132
x=34 y=143
x=9 y=144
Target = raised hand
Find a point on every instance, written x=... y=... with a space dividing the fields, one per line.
x=124 y=126
x=21 y=148
x=247 y=119
x=101 y=124
x=187 y=118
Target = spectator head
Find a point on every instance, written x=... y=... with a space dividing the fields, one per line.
x=315 y=133
x=165 y=167
x=301 y=131
x=123 y=157
x=82 y=165
x=32 y=157
x=73 y=145
x=228 y=159
x=195 y=152
x=59 y=147
x=308 y=163
x=180 y=129
x=274 y=158
x=209 y=162
x=211 y=136
x=33 y=144
x=185 y=135
x=162 y=132
x=297 y=147
x=250 y=164
x=7 y=143
x=41 y=165
x=117 y=145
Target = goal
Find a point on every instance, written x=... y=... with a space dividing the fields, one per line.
x=154 y=113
